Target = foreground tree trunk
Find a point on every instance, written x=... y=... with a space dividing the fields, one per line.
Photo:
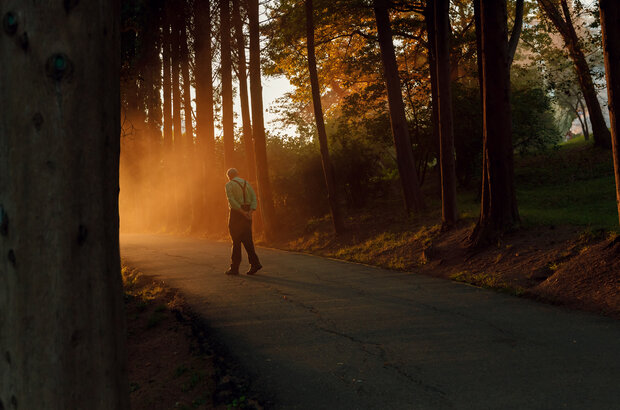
x=400 y=130
x=328 y=169
x=498 y=211
x=243 y=93
x=228 y=127
x=610 y=23
x=260 y=143
x=444 y=100
x=62 y=333
x=563 y=23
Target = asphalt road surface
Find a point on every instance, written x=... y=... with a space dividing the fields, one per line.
x=315 y=333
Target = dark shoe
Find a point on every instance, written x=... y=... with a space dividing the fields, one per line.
x=254 y=269
x=232 y=271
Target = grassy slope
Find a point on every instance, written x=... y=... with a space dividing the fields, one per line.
x=566 y=201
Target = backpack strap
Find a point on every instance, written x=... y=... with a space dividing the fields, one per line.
x=245 y=183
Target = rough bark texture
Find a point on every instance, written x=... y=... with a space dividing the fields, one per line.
x=561 y=19
x=228 y=129
x=400 y=130
x=444 y=99
x=248 y=139
x=62 y=331
x=328 y=169
x=498 y=211
x=610 y=22
x=260 y=144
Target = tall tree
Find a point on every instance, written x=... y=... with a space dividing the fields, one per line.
x=185 y=63
x=444 y=100
x=177 y=22
x=610 y=23
x=243 y=92
x=227 y=96
x=204 y=78
x=167 y=74
x=62 y=333
x=563 y=22
x=258 y=129
x=328 y=170
x=400 y=130
x=499 y=204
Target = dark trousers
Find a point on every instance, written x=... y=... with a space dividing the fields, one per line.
x=240 y=229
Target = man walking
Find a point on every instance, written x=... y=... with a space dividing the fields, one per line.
x=242 y=203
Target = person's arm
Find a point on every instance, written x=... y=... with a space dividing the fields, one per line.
x=230 y=195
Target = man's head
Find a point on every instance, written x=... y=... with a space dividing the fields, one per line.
x=231 y=173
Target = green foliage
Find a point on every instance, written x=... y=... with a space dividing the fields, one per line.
x=571 y=185
x=533 y=126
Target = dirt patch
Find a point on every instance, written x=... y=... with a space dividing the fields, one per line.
x=590 y=280
x=173 y=363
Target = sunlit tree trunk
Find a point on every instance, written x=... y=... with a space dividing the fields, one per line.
x=227 y=96
x=260 y=143
x=205 y=131
x=562 y=21
x=243 y=93
x=610 y=23
x=204 y=79
x=400 y=130
x=185 y=166
x=187 y=97
x=328 y=170
x=444 y=99
x=498 y=211
x=62 y=331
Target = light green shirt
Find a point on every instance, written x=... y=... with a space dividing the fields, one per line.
x=234 y=193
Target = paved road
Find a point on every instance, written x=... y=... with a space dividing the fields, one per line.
x=315 y=333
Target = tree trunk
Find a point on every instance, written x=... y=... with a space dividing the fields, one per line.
x=429 y=17
x=243 y=94
x=176 y=88
x=444 y=99
x=228 y=127
x=516 y=32
x=328 y=170
x=62 y=325
x=610 y=23
x=400 y=130
x=167 y=87
x=586 y=130
x=187 y=97
x=565 y=27
x=498 y=211
x=205 y=130
x=260 y=143
x=204 y=79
